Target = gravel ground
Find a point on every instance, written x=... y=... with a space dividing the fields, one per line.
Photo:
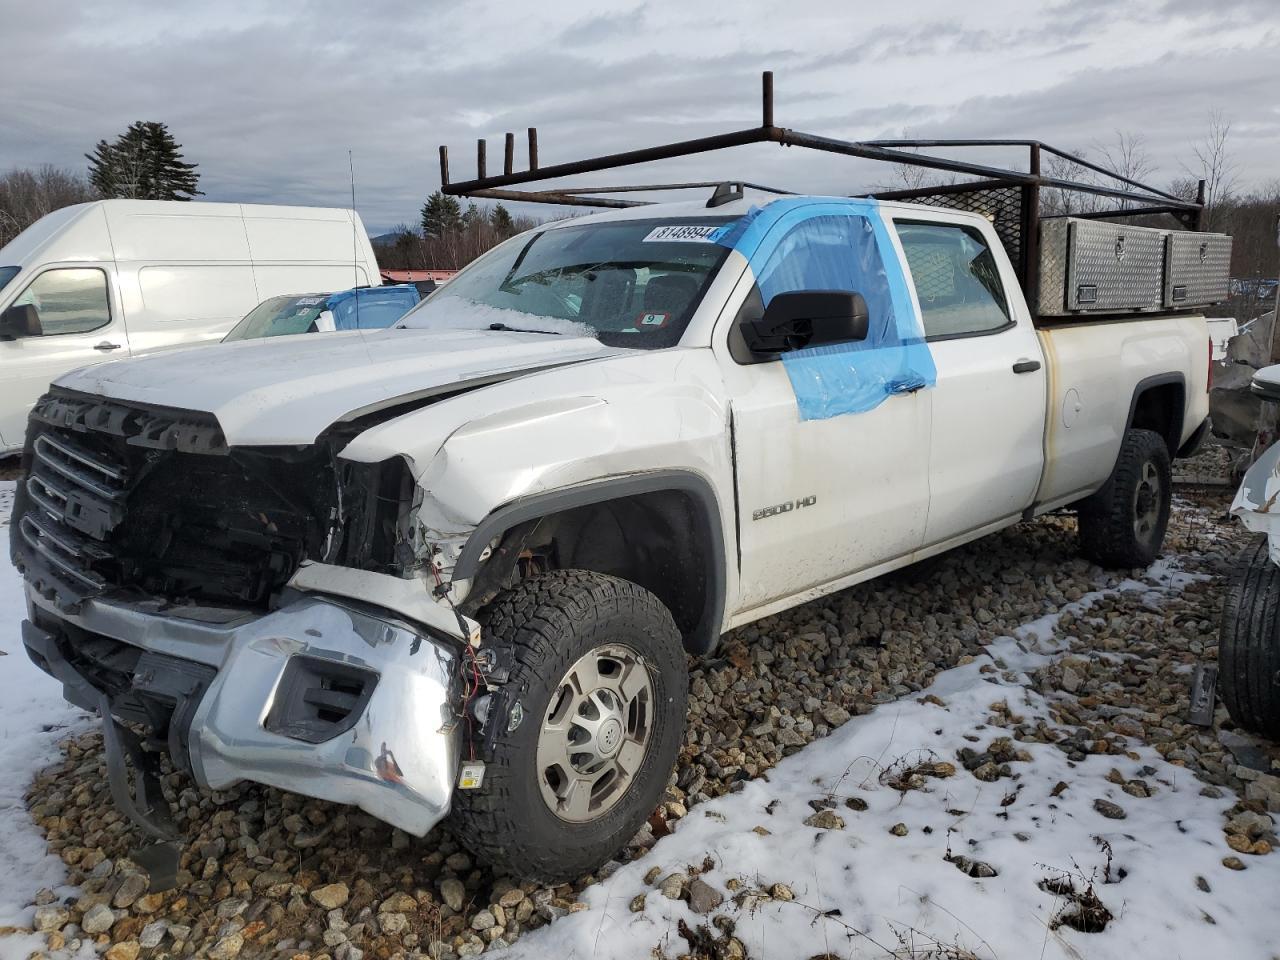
x=267 y=873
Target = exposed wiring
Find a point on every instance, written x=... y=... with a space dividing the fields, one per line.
x=474 y=680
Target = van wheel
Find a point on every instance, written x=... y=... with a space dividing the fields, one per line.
x=1123 y=524
x=593 y=720
x=1249 y=642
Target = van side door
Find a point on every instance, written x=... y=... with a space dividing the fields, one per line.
x=79 y=324
x=989 y=401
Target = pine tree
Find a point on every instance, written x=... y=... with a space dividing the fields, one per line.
x=441 y=215
x=500 y=218
x=472 y=217
x=144 y=163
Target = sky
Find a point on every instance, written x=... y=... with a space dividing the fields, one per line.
x=268 y=98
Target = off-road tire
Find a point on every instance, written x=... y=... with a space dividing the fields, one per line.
x=1249 y=642
x=547 y=623
x=1107 y=531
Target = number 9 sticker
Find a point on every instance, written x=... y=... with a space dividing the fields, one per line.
x=652 y=321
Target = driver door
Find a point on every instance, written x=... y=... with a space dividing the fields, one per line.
x=822 y=499
x=78 y=326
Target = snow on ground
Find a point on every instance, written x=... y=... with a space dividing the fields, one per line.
x=859 y=891
x=863 y=891
x=33 y=718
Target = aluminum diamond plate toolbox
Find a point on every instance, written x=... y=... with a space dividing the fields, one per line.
x=1197 y=269
x=1092 y=267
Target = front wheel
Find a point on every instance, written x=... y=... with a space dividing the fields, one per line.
x=1123 y=524
x=594 y=719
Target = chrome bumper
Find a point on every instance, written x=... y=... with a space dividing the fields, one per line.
x=397 y=760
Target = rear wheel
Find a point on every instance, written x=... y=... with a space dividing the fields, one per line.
x=1249 y=642
x=1123 y=524
x=594 y=719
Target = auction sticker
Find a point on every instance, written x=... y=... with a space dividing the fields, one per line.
x=684 y=233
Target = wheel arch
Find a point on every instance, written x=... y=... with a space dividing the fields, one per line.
x=1159 y=403
x=603 y=516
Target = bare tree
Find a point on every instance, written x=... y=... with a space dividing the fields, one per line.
x=1058 y=201
x=26 y=195
x=1214 y=165
x=1127 y=156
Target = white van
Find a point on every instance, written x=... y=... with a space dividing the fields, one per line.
x=111 y=278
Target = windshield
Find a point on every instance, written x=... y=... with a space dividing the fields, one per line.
x=7 y=274
x=378 y=307
x=632 y=283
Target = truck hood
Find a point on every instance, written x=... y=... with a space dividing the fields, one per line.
x=287 y=390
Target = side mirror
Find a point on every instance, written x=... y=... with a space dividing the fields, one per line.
x=21 y=321
x=807 y=318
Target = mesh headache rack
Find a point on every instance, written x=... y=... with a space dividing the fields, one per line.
x=1009 y=198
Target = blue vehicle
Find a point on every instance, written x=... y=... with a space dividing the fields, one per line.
x=364 y=308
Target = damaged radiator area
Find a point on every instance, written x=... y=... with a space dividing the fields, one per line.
x=121 y=499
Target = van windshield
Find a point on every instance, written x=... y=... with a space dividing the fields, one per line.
x=630 y=283
x=7 y=274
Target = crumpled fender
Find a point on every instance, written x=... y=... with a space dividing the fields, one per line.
x=1257 y=502
x=555 y=429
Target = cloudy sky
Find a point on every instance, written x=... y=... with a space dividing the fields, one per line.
x=269 y=97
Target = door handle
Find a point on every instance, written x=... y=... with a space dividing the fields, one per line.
x=106 y=346
x=1026 y=366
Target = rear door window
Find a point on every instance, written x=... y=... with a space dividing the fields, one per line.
x=956 y=280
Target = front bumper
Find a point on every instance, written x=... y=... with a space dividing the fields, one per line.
x=317 y=698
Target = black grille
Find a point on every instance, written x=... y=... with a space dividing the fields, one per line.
x=116 y=496
x=121 y=498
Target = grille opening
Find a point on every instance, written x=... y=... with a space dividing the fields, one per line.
x=316 y=700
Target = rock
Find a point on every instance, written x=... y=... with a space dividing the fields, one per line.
x=672 y=886
x=331 y=895
x=856 y=803
x=988 y=772
x=637 y=903
x=131 y=888
x=1265 y=789
x=780 y=891
x=1112 y=811
x=834 y=715
x=899 y=830
x=1233 y=863
x=703 y=898
x=1071 y=680
x=651 y=876
x=128 y=950
x=1136 y=788
x=227 y=947
x=453 y=892
x=511 y=899
x=97 y=919
x=51 y=918
x=825 y=820
x=483 y=921
x=398 y=903
x=152 y=934
x=149 y=903
x=392 y=923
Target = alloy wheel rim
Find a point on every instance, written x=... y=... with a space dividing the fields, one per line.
x=595 y=733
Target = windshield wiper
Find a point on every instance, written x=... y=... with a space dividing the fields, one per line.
x=504 y=327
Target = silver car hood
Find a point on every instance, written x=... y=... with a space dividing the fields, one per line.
x=287 y=390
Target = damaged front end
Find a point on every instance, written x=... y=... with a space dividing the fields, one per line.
x=257 y=613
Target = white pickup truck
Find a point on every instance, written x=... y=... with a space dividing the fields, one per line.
x=455 y=567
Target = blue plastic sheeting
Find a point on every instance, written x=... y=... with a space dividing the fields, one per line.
x=838 y=244
x=378 y=306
